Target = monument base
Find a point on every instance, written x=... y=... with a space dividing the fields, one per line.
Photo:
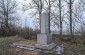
x=44 y=39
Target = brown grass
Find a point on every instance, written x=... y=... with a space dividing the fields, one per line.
x=28 y=42
x=14 y=50
x=31 y=53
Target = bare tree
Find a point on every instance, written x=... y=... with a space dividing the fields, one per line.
x=42 y=6
x=76 y=9
x=37 y=5
x=60 y=14
x=78 y=13
x=7 y=11
x=48 y=8
x=70 y=6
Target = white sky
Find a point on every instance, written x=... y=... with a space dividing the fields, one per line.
x=24 y=15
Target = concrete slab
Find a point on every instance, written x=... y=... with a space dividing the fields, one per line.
x=45 y=47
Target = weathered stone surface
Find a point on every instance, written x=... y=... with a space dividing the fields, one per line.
x=44 y=23
x=50 y=48
x=31 y=48
x=44 y=39
x=45 y=47
x=59 y=49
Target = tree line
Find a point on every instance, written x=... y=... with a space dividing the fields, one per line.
x=69 y=13
x=7 y=16
x=9 y=19
x=62 y=14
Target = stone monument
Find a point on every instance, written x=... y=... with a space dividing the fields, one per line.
x=44 y=39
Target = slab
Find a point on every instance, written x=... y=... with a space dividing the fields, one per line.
x=45 y=47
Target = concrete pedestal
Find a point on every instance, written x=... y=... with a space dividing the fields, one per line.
x=44 y=39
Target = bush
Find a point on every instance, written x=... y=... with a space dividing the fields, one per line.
x=28 y=33
x=5 y=32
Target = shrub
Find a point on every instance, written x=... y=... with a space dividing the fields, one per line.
x=28 y=33
x=5 y=32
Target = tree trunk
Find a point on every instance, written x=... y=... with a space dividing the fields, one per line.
x=40 y=11
x=49 y=15
x=7 y=15
x=60 y=17
x=70 y=8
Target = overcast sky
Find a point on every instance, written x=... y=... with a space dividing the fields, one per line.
x=24 y=15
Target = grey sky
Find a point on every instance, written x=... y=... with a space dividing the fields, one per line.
x=24 y=15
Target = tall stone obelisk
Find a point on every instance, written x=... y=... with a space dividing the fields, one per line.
x=44 y=37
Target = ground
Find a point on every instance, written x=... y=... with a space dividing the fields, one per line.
x=76 y=47
x=6 y=49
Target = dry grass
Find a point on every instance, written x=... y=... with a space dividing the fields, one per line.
x=31 y=53
x=72 y=47
x=6 y=49
x=14 y=50
x=28 y=42
x=76 y=47
x=25 y=52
